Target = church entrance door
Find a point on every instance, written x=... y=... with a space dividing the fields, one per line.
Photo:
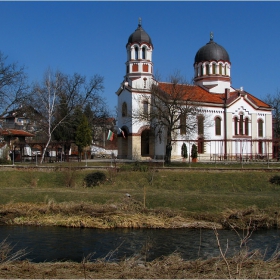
x=145 y=145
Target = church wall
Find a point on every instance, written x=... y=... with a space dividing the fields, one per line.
x=268 y=130
x=125 y=96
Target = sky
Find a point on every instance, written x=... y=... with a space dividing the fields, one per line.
x=90 y=38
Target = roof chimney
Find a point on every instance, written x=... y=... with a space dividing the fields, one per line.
x=227 y=93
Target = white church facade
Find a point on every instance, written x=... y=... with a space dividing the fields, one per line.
x=239 y=124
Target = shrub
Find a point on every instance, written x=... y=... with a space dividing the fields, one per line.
x=136 y=166
x=194 y=151
x=275 y=180
x=5 y=161
x=184 y=151
x=94 y=179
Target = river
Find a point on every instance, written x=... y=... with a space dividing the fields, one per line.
x=72 y=244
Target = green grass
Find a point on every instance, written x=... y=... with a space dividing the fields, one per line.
x=188 y=190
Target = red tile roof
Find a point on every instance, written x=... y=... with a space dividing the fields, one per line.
x=15 y=132
x=198 y=94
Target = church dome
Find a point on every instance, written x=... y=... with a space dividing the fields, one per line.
x=211 y=51
x=139 y=36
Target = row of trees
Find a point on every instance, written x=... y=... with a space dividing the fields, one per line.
x=64 y=107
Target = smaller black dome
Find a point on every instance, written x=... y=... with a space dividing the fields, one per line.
x=139 y=36
x=211 y=51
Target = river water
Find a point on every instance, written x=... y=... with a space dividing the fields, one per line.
x=71 y=244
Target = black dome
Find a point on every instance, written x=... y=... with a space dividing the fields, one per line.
x=211 y=51
x=139 y=36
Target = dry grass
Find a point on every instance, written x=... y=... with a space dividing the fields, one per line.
x=170 y=267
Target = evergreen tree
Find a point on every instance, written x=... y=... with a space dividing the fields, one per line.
x=184 y=151
x=83 y=135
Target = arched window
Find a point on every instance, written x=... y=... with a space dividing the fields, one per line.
x=201 y=70
x=247 y=126
x=260 y=128
x=218 y=126
x=213 y=68
x=200 y=125
x=221 y=69
x=241 y=125
x=145 y=108
x=207 y=69
x=124 y=109
x=183 y=124
x=136 y=52
x=143 y=53
x=235 y=126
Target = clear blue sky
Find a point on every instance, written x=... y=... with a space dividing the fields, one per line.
x=90 y=38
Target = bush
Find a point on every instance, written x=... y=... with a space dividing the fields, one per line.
x=4 y=161
x=194 y=151
x=275 y=180
x=94 y=179
x=136 y=166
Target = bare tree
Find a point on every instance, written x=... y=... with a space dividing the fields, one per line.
x=274 y=102
x=59 y=90
x=13 y=85
x=169 y=109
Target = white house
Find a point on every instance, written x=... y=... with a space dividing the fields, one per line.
x=239 y=124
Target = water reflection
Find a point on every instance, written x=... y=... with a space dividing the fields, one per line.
x=56 y=243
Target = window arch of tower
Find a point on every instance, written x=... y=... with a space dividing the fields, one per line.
x=212 y=68
x=124 y=109
x=137 y=52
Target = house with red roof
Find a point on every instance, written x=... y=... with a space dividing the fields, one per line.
x=239 y=125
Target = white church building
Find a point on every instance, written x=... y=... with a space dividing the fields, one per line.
x=240 y=124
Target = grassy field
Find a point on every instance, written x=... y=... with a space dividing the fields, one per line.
x=189 y=189
x=200 y=194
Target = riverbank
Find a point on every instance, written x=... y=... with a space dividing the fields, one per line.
x=246 y=266
x=130 y=213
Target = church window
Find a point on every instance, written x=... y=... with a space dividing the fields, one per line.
x=241 y=125
x=201 y=70
x=124 y=109
x=145 y=108
x=246 y=126
x=218 y=126
x=260 y=128
x=143 y=53
x=127 y=68
x=207 y=69
x=136 y=52
x=213 y=68
x=183 y=124
x=200 y=125
x=221 y=69
x=235 y=126
x=225 y=70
